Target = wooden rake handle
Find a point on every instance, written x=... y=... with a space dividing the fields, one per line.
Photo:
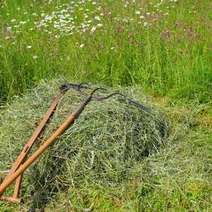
x=22 y=156
x=61 y=129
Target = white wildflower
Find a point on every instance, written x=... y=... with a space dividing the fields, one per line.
x=145 y=24
x=82 y=45
x=99 y=25
x=9 y=29
x=97 y=18
x=93 y=29
x=22 y=22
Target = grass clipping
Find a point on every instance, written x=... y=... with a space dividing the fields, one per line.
x=102 y=147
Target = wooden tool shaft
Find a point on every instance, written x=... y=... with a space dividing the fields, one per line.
x=35 y=135
x=22 y=156
x=17 y=186
x=11 y=199
x=66 y=124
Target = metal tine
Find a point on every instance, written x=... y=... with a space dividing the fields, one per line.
x=85 y=86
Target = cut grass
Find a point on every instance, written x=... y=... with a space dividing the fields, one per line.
x=102 y=147
x=175 y=178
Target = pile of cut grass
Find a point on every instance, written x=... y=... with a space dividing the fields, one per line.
x=102 y=147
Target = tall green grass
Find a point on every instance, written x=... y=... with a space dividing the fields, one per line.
x=170 y=56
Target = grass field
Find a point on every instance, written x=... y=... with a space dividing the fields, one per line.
x=161 y=46
x=164 y=46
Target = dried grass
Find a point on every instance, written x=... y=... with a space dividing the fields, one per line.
x=102 y=147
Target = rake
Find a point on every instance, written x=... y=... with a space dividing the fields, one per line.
x=22 y=162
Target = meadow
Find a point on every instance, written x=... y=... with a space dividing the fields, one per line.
x=162 y=47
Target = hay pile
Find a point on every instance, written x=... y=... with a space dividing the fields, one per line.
x=102 y=146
